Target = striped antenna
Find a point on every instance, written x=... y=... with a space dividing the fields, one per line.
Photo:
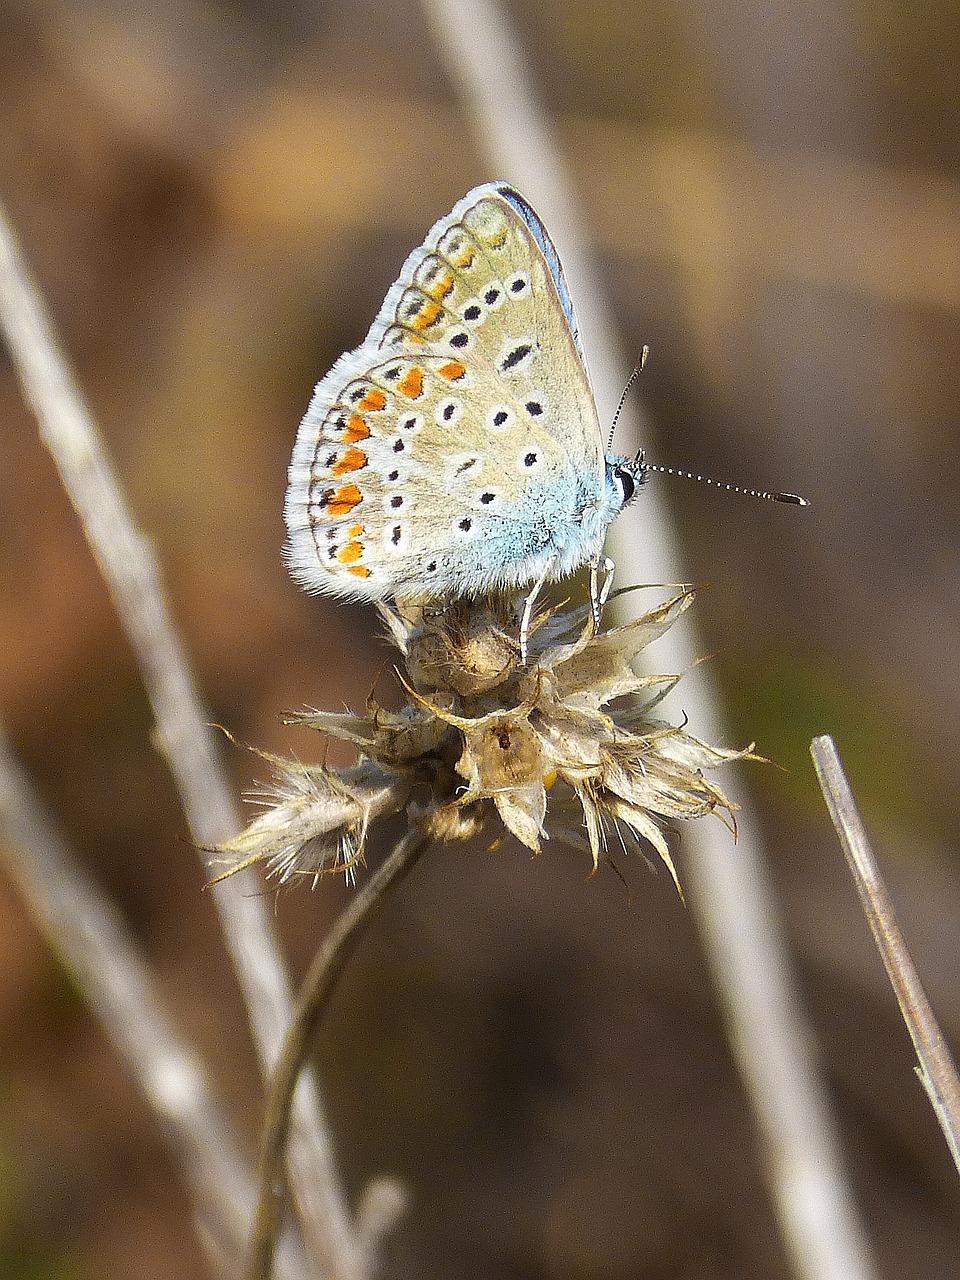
x=637 y=370
x=641 y=463
x=793 y=498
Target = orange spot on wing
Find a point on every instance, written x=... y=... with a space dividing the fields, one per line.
x=443 y=287
x=343 y=501
x=355 y=531
x=352 y=460
x=357 y=429
x=374 y=399
x=411 y=384
x=359 y=571
x=465 y=260
x=452 y=370
x=499 y=240
x=351 y=553
x=427 y=315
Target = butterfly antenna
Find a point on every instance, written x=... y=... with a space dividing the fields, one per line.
x=637 y=370
x=793 y=498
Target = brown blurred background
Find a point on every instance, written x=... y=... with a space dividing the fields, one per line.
x=215 y=199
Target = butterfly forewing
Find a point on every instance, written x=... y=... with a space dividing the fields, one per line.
x=482 y=278
x=445 y=453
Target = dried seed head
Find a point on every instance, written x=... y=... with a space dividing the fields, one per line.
x=314 y=819
x=566 y=745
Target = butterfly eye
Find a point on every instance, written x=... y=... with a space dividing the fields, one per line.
x=627 y=483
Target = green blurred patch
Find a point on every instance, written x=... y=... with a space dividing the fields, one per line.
x=18 y=1261
x=58 y=1002
x=782 y=701
x=29 y=1268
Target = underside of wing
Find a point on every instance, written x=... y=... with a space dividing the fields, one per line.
x=458 y=448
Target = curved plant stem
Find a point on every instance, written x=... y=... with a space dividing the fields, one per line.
x=308 y=1013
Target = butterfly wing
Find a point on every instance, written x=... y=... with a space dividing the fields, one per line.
x=458 y=448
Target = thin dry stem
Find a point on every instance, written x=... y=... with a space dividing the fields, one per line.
x=128 y=564
x=727 y=889
x=937 y=1071
x=312 y=1003
x=94 y=943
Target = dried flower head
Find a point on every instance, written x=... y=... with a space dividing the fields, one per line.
x=566 y=745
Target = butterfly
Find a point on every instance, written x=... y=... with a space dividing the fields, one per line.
x=457 y=451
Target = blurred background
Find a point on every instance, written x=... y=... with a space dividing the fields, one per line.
x=215 y=198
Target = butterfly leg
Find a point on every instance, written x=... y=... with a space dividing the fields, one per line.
x=530 y=601
x=599 y=592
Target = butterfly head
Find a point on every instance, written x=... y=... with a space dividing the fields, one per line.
x=624 y=477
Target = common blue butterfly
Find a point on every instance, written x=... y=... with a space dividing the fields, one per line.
x=458 y=450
